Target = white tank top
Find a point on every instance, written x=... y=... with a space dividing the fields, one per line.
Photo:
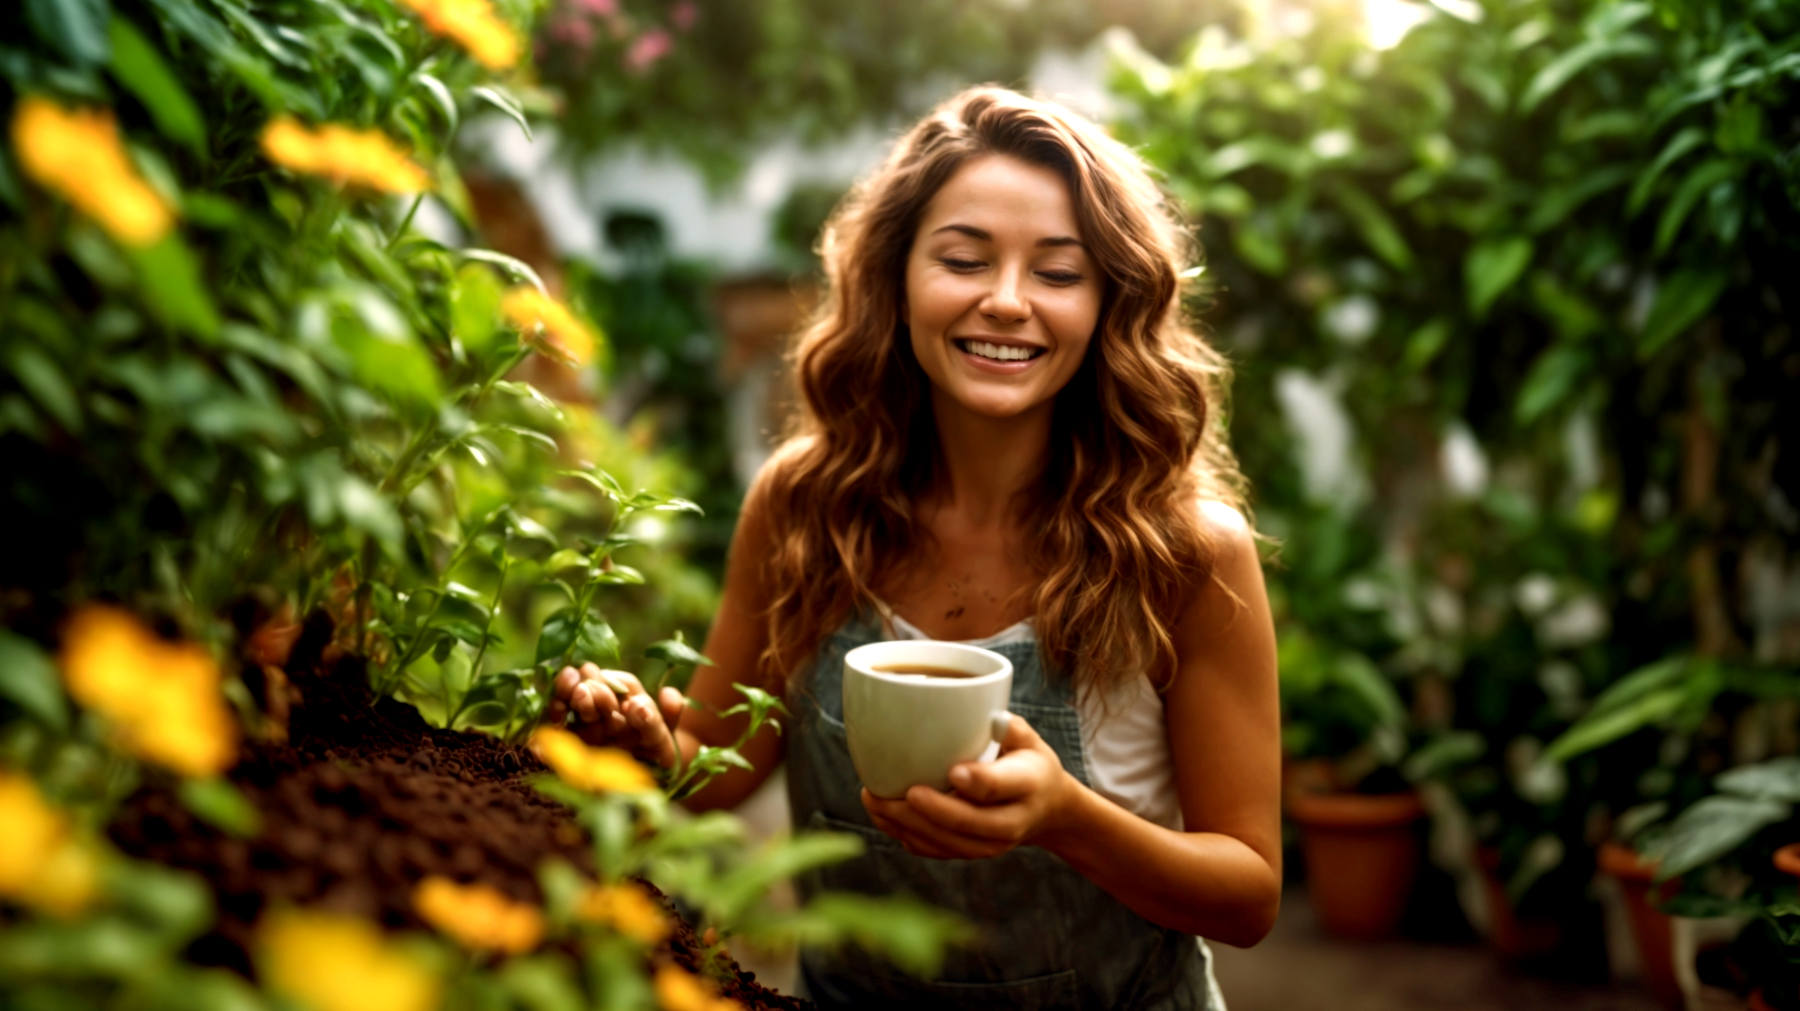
x=1124 y=740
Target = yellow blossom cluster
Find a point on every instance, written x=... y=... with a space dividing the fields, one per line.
x=43 y=862
x=626 y=908
x=680 y=990
x=344 y=154
x=596 y=770
x=341 y=963
x=473 y=25
x=479 y=916
x=162 y=698
x=564 y=337
x=78 y=155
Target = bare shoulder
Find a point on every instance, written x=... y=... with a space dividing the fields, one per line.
x=1235 y=580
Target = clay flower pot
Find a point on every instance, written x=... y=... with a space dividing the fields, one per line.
x=1513 y=937
x=1787 y=859
x=1650 y=927
x=1362 y=854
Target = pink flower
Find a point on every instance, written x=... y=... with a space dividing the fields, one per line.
x=647 y=48
x=683 y=15
x=600 y=8
x=576 y=31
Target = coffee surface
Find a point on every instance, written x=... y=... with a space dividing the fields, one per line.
x=920 y=670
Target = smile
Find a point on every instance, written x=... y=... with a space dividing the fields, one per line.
x=999 y=352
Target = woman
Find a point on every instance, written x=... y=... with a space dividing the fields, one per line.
x=1008 y=438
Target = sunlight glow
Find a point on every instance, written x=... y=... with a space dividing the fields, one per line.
x=1388 y=21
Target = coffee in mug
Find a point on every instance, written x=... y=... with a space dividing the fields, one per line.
x=914 y=708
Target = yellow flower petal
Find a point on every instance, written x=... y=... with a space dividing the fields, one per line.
x=473 y=25
x=78 y=155
x=346 y=155
x=627 y=908
x=680 y=990
x=163 y=700
x=596 y=770
x=42 y=863
x=479 y=916
x=563 y=336
x=341 y=963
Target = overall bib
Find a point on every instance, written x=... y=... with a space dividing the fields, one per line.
x=1050 y=938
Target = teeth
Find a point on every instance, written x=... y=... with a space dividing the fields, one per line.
x=999 y=352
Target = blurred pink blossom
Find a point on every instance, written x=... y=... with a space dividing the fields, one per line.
x=602 y=8
x=576 y=31
x=647 y=48
x=683 y=15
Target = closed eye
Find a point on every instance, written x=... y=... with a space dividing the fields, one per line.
x=1060 y=277
x=956 y=263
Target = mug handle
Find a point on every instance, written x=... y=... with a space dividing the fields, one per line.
x=999 y=724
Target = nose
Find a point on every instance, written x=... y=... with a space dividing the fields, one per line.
x=1005 y=301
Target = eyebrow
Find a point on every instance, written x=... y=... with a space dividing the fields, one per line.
x=984 y=236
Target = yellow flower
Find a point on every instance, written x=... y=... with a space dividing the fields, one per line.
x=596 y=770
x=341 y=963
x=680 y=990
x=564 y=337
x=473 y=25
x=79 y=155
x=478 y=915
x=345 y=155
x=162 y=699
x=627 y=908
x=42 y=862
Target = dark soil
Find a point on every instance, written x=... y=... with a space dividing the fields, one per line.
x=361 y=804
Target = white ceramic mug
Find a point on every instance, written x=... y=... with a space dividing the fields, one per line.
x=906 y=730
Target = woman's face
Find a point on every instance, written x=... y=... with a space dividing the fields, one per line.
x=1002 y=298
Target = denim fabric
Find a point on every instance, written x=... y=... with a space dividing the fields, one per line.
x=1050 y=938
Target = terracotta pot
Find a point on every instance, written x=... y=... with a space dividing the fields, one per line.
x=1511 y=936
x=1787 y=859
x=1362 y=854
x=1650 y=927
x=1758 y=1003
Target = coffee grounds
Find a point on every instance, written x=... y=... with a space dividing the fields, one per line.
x=361 y=804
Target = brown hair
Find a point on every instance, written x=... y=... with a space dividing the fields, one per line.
x=1116 y=533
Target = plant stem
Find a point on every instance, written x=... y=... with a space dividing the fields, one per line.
x=400 y=229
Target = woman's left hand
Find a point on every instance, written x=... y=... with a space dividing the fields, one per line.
x=1015 y=800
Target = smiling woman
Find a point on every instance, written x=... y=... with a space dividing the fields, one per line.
x=1008 y=436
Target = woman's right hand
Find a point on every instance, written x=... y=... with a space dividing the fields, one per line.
x=612 y=708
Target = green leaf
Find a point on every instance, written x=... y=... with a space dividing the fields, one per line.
x=1604 y=727
x=1777 y=779
x=1355 y=672
x=475 y=307
x=1555 y=206
x=1425 y=343
x=75 y=28
x=516 y=267
x=1684 y=141
x=44 y=380
x=139 y=67
x=446 y=102
x=566 y=634
x=1695 y=186
x=1376 y=228
x=736 y=891
x=1492 y=267
x=675 y=651
x=899 y=928
x=171 y=285
x=175 y=902
x=544 y=982
x=1555 y=375
x=1558 y=72
x=220 y=804
x=499 y=99
x=1443 y=755
x=1682 y=300
x=28 y=679
x=1712 y=828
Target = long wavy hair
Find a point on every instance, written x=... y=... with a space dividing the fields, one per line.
x=1113 y=529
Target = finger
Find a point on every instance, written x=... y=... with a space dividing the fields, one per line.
x=558 y=712
x=1007 y=778
x=912 y=841
x=566 y=680
x=674 y=706
x=1020 y=735
x=917 y=823
x=624 y=679
x=952 y=816
x=581 y=699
